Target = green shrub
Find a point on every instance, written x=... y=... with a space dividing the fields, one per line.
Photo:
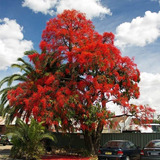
x=27 y=140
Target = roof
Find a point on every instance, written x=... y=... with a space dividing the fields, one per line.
x=2 y=121
x=120 y=119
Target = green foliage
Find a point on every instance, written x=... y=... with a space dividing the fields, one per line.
x=157 y=121
x=6 y=110
x=30 y=52
x=27 y=140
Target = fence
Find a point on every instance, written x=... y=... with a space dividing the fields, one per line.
x=140 y=139
x=76 y=141
x=69 y=140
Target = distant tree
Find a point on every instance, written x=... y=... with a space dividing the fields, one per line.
x=77 y=73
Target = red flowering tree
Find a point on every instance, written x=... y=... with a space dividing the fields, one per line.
x=77 y=73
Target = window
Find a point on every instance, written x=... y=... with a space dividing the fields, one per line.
x=114 y=144
x=130 y=145
x=153 y=144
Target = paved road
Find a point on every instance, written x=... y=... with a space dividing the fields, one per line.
x=4 y=152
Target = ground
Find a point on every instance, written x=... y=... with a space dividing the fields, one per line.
x=5 y=151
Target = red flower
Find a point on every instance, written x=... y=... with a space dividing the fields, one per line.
x=35 y=110
x=55 y=123
x=67 y=71
x=39 y=119
x=33 y=56
x=50 y=80
x=65 y=122
x=43 y=45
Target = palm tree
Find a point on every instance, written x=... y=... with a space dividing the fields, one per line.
x=26 y=69
x=29 y=74
x=28 y=139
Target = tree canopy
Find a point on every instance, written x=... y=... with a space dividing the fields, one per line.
x=78 y=71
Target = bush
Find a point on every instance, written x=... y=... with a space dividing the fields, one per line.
x=27 y=140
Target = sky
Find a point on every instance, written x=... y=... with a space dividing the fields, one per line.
x=135 y=24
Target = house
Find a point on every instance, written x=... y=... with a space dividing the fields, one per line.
x=118 y=124
x=128 y=124
x=2 y=125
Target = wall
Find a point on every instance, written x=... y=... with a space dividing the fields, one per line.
x=76 y=141
x=2 y=129
x=140 y=139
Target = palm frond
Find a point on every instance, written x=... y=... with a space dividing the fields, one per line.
x=9 y=114
x=15 y=77
x=5 y=90
x=4 y=81
x=16 y=66
x=4 y=93
x=4 y=109
x=30 y=52
x=48 y=136
x=26 y=67
x=4 y=97
x=27 y=139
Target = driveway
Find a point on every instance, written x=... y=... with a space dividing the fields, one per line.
x=4 y=152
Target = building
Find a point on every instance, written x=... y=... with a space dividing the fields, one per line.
x=128 y=124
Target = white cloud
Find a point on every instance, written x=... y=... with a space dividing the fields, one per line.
x=140 y=31
x=12 y=44
x=150 y=91
x=92 y=8
x=44 y=6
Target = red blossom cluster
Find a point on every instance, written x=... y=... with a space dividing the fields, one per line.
x=77 y=73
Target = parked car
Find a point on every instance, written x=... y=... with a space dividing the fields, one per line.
x=119 y=150
x=4 y=140
x=151 y=151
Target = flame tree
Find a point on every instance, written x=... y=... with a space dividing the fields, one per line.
x=70 y=82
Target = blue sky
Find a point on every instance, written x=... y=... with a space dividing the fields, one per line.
x=135 y=23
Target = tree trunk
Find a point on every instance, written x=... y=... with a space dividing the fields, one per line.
x=92 y=139
x=89 y=142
